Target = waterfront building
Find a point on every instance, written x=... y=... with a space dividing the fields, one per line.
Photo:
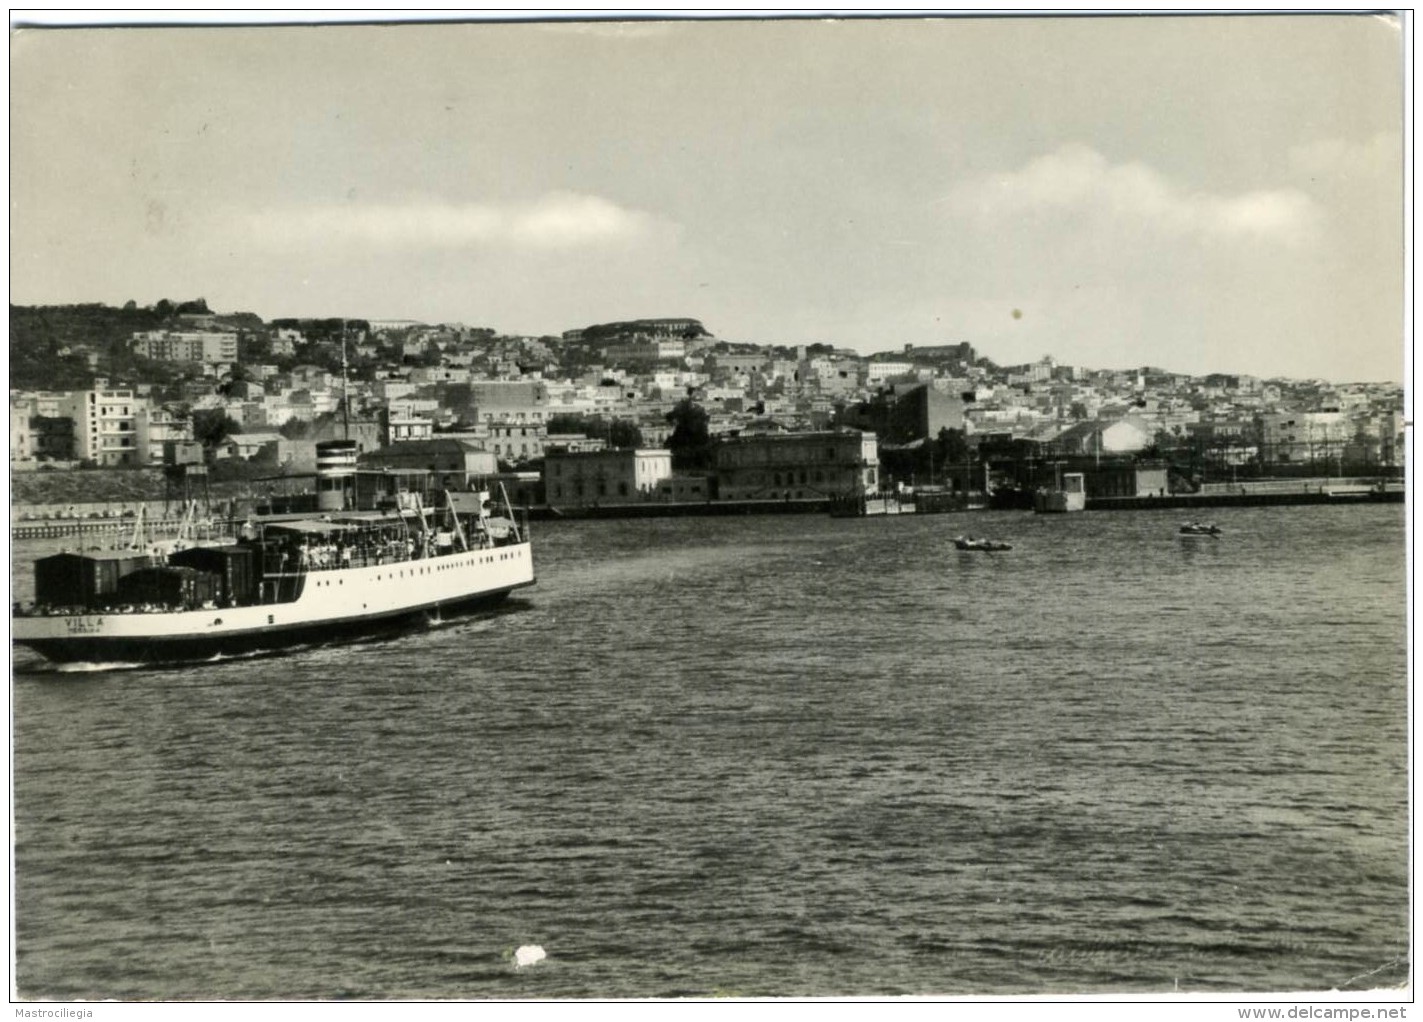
x=797 y=465
x=1224 y=441
x=689 y=487
x=1309 y=438
x=1392 y=442
x=574 y=479
x=1125 y=478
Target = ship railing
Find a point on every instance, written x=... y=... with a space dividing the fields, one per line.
x=396 y=552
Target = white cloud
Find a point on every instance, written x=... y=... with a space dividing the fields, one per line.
x=555 y=222
x=1076 y=180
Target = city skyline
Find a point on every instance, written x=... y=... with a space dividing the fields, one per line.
x=1208 y=194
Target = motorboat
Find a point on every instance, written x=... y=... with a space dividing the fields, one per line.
x=1200 y=529
x=982 y=545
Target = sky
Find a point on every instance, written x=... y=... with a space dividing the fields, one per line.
x=1205 y=194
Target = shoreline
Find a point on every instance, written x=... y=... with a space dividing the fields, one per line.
x=58 y=527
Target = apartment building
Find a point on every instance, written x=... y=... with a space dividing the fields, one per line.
x=157 y=427
x=186 y=346
x=106 y=426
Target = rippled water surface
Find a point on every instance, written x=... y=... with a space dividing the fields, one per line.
x=761 y=756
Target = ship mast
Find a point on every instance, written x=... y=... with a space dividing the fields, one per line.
x=345 y=399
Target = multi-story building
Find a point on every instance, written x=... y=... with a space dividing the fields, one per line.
x=908 y=412
x=155 y=428
x=39 y=426
x=1392 y=442
x=1311 y=438
x=1227 y=441
x=574 y=479
x=186 y=346
x=22 y=448
x=514 y=442
x=507 y=401
x=646 y=349
x=401 y=425
x=797 y=465
x=106 y=426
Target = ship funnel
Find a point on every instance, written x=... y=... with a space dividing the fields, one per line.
x=336 y=475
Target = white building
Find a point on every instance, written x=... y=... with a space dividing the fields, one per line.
x=106 y=426
x=186 y=346
x=877 y=372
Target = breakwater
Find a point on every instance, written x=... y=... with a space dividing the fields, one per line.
x=1247 y=499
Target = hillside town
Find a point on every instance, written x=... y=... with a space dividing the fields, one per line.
x=649 y=409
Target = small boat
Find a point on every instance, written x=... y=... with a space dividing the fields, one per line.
x=984 y=545
x=1200 y=529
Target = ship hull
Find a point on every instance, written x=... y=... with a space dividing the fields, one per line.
x=334 y=606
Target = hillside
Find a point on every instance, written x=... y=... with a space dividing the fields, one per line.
x=63 y=347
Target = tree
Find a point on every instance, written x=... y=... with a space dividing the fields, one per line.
x=617 y=432
x=690 y=443
x=296 y=429
x=624 y=434
x=211 y=426
x=1078 y=411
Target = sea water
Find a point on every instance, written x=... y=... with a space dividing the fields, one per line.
x=760 y=756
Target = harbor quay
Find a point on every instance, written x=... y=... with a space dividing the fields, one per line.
x=101 y=519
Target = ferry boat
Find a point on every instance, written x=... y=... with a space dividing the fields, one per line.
x=282 y=581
